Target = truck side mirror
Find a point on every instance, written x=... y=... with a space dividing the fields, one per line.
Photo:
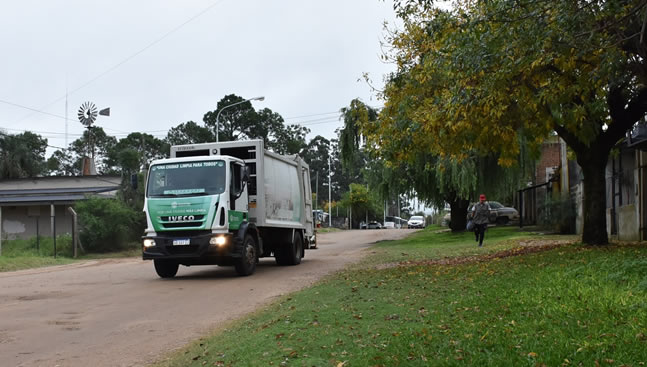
x=245 y=174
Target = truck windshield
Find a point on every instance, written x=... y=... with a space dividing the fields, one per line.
x=186 y=179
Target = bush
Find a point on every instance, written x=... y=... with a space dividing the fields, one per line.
x=558 y=214
x=438 y=218
x=41 y=247
x=107 y=225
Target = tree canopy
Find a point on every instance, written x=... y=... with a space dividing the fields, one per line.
x=22 y=155
x=475 y=78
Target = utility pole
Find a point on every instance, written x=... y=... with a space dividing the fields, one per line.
x=367 y=207
x=350 y=209
x=399 y=218
x=329 y=194
x=384 y=221
x=65 y=114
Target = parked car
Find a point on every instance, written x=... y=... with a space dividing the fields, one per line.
x=416 y=221
x=499 y=213
x=374 y=225
x=393 y=222
x=504 y=214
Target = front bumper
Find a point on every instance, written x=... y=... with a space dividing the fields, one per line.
x=197 y=251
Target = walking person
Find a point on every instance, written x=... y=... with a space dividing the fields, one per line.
x=480 y=217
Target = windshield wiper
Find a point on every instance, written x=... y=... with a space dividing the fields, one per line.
x=163 y=196
x=194 y=194
x=179 y=195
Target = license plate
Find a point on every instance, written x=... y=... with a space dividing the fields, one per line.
x=182 y=242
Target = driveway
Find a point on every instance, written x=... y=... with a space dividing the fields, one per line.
x=119 y=313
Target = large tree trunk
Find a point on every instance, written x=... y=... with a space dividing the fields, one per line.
x=594 y=231
x=458 y=220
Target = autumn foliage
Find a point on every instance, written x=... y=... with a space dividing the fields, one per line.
x=500 y=76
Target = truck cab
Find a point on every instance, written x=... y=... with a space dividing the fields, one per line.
x=193 y=208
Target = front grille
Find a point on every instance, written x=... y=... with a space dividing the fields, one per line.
x=182 y=224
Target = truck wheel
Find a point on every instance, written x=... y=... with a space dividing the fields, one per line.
x=165 y=268
x=297 y=252
x=291 y=254
x=246 y=265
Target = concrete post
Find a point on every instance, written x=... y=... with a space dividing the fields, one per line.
x=52 y=216
x=74 y=230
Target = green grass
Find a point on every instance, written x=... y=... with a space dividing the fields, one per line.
x=27 y=254
x=569 y=306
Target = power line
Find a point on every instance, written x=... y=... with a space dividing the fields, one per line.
x=316 y=114
x=321 y=122
x=31 y=109
x=155 y=133
x=109 y=70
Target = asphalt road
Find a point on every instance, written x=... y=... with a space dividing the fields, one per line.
x=119 y=313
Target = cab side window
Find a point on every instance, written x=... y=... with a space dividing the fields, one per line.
x=236 y=178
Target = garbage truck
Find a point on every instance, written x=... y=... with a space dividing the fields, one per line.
x=227 y=204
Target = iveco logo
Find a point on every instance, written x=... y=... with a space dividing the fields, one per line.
x=181 y=218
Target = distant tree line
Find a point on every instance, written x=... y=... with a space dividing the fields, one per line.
x=23 y=155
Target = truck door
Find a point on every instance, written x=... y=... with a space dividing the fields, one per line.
x=238 y=189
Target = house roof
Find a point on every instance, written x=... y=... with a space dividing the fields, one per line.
x=57 y=189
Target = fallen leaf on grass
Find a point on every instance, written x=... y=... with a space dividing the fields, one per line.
x=527 y=247
x=484 y=335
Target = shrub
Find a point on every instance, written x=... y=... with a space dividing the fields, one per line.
x=107 y=224
x=558 y=214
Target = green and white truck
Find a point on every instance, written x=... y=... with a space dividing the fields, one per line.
x=227 y=203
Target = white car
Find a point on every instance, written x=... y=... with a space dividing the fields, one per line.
x=417 y=221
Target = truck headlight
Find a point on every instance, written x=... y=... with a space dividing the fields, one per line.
x=149 y=242
x=218 y=240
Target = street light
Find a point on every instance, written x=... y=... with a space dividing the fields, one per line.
x=231 y=105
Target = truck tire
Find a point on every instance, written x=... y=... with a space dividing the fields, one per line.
x=165 y=268
x=290 y=254
x=246 y=264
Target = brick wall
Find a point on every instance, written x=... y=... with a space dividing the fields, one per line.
x=549 y=158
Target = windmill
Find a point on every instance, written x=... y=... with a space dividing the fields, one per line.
x=87 y=116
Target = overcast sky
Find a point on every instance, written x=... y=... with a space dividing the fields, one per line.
x=304 y=56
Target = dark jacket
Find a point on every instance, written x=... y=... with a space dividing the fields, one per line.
x=481 y=213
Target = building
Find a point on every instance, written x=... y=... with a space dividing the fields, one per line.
x=626 y=188
x=35 y=206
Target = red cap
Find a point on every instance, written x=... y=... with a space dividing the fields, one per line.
x=482 y=197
